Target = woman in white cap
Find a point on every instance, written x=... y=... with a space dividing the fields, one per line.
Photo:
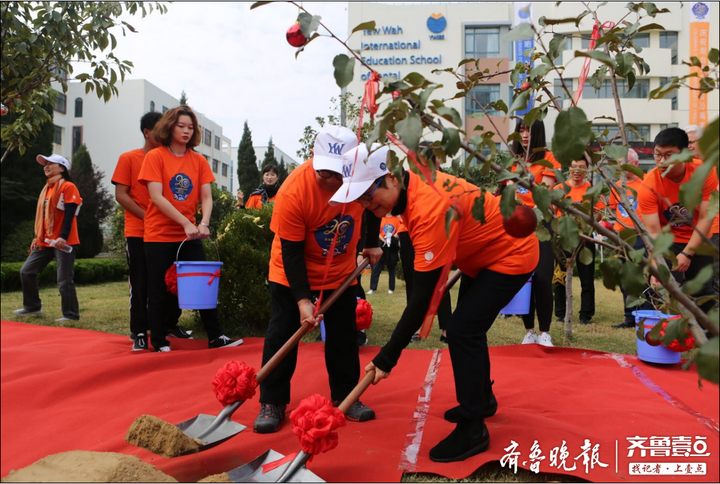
x=56 y=235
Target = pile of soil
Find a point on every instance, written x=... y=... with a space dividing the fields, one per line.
x=84 y=466
x=224 y=477
x=160 y=437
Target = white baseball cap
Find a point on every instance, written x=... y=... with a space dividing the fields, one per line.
x=42 y=159
x=367 y=170
x=330 y=146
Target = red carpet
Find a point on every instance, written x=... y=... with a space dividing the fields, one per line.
x=69 y=389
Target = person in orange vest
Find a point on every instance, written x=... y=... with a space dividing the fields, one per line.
x=495 y=266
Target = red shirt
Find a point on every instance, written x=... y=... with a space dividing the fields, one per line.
x=126 y=173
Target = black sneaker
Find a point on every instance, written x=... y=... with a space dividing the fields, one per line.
x=453 y=415
x=443 y=339
x=140 y=342
x=359 y=412
x=624 y=324
x=178 y=332
x=415 y=338
x=132 y=336
x=585 y=321
x=268 y=421
x=468 y=439
x=224 y=342
x=362 y=338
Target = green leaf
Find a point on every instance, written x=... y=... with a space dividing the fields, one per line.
x=520 y=101
x=423 y=97
x=585 y=257
x=540 y=70
x=635 y=170
x=364 y=26
x=507 y=202
x=629 y=235
x=598 y=56
x=572 y=135
x=414 y=79
x=259 y=4
x=630 y=80
x=410 y=130
x=708 y=360
x=714 y=56
x=610 y=269
x=616 y=152
x=569 y=234
x=344 y=70
x=478 y=208
x=624 y=64
x=691 y=191
x=521 y=32
x=664 y=273
x=450 y=114
x=450 y=141
x=663 y=242
x=309 y=24
x=710 y=143
x=450 y=215
x=557 y=44
x=632 y=279
x=695 y=286
x=648 y=27
x=541 y=197
x=713 y=205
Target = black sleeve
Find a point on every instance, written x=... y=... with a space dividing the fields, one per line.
x=410 y=321
x=70 y=210
x=293 y=256
x=372 y=229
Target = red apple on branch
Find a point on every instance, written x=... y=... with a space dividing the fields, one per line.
x=607 y=225
x=525 y=86
x=522 y=223
x=295 y=36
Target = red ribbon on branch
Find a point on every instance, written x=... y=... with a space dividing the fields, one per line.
x=314 y=421
x=586 y=64
x=233 y=382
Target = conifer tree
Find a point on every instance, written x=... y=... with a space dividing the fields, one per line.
x=282 y=169
x=248 y=173
x=269 y=155
x=183 y=99
x=96 y=204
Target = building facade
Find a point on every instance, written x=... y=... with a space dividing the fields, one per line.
x=112 y=128
x=429 y=37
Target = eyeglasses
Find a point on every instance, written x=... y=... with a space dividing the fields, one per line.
x=327 y=174
x=367 y=197
x=663 y=156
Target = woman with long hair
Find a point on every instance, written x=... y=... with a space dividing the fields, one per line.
x=178 y=180
x=267 y=190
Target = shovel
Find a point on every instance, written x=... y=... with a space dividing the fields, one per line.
x=212 y=430
x=295 y=470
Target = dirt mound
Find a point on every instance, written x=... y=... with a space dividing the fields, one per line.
x=84 y=466
x=160 y=437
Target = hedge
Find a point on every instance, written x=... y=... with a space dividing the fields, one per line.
x=87 y=271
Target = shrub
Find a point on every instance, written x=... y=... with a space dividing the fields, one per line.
x=16 y=245
x=87 y=271
x=244 y=240
x=116 y=221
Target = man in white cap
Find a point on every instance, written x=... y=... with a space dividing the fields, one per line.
x=305 y=226
x=55 y=236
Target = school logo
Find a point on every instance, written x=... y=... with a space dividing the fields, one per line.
x=335 y=148
x=347 y=171
x=383 y=166
x=521 y=190
x=344 y=228
x=700 y=10
x=388 y=229
x=524 y=12
x=436 y=23
x=678 y=216
x=181 y=187
x=624 y=212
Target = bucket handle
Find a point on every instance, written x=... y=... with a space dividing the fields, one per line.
x=177 y=255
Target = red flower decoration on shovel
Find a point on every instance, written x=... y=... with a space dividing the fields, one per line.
x=314 y=422
x=363 y=314
x=233 y=382
x=171 y=279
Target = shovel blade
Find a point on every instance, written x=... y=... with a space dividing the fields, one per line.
x=196 y=426
x=253 y=472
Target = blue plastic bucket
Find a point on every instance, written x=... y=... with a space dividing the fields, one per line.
x=653 y=352
x=198 y=284
x=520 y=304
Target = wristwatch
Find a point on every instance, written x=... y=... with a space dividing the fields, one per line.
x=689 y=256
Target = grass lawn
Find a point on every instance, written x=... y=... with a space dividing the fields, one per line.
x=104 y=307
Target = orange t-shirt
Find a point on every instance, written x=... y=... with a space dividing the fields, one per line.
x=621 y=214
x=576 y=194
x=538 y=172
x=255 y=201
x=716 y=222
x=181 y=179
x=68 y=194
x=389 y=227
x=481 y=246
x=302 y=213
x=126 y=173
x=401 y=227
x=660 y=195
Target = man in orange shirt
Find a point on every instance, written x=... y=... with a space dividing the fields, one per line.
x=305 y=226
x=578 y=187
x=495 y=266
x=660 y=205
x=134 y=198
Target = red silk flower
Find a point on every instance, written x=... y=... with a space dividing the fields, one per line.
x=171 y=279
x=677 y=345
x=314 y=422
x=363 y=314
x=233 y=382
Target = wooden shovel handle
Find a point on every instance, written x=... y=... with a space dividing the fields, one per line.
x=305 y=328
x=454 y=277
x=357 y=391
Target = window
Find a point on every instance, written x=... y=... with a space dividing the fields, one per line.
x=77 y=138
x=217 y=142
x=567 y=46
x=585 y=44
x=483 y=94
x=58 y=135
x=673 y=96
x=666 y=126
x=164 y=109
x=208 y=137
x=614 y=133
x=558 y=90
x=640 y=90
x=225 y=167
x=669 y=40
x=642 y=40
x=224 y=188
x=78 y=107
x=482 y=42
x=152 y=106
x=215 y=165
x=61 y=103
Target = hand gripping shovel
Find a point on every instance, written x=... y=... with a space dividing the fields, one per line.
x=295 y=470
x=212 y=430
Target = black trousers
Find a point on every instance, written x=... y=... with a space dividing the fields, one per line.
x=389 y=259
x=159 y=257
x=407 y=257
x=541 y=299
x=698 y=263
x=479 y=302
x=586 y=273
x=341 y=351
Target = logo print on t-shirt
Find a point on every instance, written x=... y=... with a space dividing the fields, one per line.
x=181 y=186
x=388 y=229
x=521 y=190
x=343 y=228
x=622 y=210
x=678 y=216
